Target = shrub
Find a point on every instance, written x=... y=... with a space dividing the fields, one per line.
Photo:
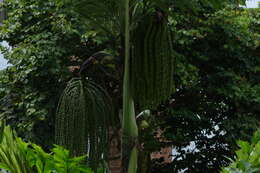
x=18 y=156
x=247 y=157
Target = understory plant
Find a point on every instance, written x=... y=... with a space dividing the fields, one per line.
x=18 y=156
x=247 y=157
x=13 y=152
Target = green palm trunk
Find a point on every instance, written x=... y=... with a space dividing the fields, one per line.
x=130 y=129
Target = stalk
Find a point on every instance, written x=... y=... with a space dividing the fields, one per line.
x=130 y=130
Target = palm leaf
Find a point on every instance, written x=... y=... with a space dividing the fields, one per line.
x=98 y=15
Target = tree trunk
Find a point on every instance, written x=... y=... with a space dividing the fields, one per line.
x=129 y=126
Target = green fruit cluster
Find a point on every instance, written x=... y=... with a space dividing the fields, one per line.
x=152 y=62
x=83 y=118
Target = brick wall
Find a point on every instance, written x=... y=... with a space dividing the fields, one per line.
x=115 y=163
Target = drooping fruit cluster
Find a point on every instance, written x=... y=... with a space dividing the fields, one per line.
x=83 y=118
x=152 y=61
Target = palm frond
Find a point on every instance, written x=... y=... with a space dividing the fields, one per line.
x=101 y=15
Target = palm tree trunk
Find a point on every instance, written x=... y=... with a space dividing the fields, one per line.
x=130 y=130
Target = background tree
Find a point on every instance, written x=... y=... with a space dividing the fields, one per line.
x=38 y=33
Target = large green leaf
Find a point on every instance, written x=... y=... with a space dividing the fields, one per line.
x=13 y=153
